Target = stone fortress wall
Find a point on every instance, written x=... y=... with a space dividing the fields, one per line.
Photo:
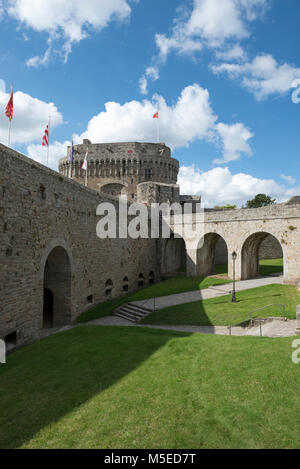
x=117 y=168
x=48 y=244
x=51 y=259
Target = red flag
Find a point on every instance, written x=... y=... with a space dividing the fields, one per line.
x=155 y=116
x=9 y=111
x=45 y=141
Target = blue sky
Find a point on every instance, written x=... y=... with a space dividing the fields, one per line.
x=220 y=72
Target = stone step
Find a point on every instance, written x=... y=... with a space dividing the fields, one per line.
x=140 y=308
x=131 y=312
x=128 y=309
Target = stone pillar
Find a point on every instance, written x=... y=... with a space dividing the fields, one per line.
x=191 y=263
x=298 y=320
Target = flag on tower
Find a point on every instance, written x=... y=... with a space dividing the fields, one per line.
x=84 y=164
x=155 y=116
x=45 y=141
x=9 y=110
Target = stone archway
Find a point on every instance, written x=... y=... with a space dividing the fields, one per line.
x=57 y=289
x=250 y=253
x=174 y=256
x=115 y=189
x=212 y=251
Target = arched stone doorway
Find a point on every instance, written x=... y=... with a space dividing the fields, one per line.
x=114 y=189
x=174 y=256
x=57 y=289
x=48 y=308
x=212 y=253
x=253 y=250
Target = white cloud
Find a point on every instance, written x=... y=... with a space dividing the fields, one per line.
x=211 y=23
x=191 y=118
x=219 y=186
x=150 y=73
x=235 y=52
x=263 y=76
x=235 y=140
x=218 y=25
x=2 y=86
x=30 y=118
x=57 y=150
x=288 y=179
x=70 y=20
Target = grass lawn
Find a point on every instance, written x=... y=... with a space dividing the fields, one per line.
x=167 y=287
x=118 y=387
x=270 y=266
x=222 y=312
x=172 y=286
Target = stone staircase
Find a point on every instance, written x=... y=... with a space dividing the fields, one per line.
x=131 y=312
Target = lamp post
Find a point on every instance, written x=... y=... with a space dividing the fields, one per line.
x=234 y=256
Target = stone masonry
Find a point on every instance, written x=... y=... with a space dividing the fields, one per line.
x=53 y=266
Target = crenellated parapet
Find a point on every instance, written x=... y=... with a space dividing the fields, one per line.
x=117 y=168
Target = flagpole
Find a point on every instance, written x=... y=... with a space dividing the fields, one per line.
x=48 y=142
x=86 y=174
x=9 y=119
x=158 y=136
x=9 y=129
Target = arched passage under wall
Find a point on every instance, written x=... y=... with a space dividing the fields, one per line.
x=251 y=252
x=173 y=256
x=212 y=252
x=57 y=289
x=115 y=189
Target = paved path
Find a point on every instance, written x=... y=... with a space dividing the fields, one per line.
x=275 y=328
x=211 y=292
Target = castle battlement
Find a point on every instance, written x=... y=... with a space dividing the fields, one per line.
x=117 y=168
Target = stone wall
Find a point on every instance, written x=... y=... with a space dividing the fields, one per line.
x=153 y=192
x=40 y=211
x=270 y=248
x=117 y=168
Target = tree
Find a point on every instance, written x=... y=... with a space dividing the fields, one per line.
x=260 y=200
x=225 y=207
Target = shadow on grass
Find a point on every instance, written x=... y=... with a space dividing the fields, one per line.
x=43 y=382
x=169 y=286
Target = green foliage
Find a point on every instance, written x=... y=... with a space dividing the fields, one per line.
x=128 y=387
x=225 y=207
x=260 y=200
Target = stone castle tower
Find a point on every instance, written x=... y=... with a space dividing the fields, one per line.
x=118 y=168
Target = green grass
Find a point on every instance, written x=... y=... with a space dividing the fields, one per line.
x=173 y=286
x=106 y=387
x=270 y=266
x=221 y=311
x=167 y=287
